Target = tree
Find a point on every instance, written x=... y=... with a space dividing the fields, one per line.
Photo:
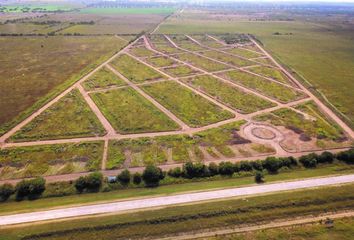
x=32 y=188
x=94 y=181
x=272 y=164
x=175 y=172
x=226 y=168
x=213 y=169
x=80 y=184
x=259 y=177
x=257 y=165
x=152 y=176
x=137 y=178
x=124 y=177
x=325 y=157
x=194 y=170
x=309 y=160
x=6 y=191
x=245 y=166
x=346 y=156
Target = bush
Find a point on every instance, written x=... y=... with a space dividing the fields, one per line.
x=137 y=178
x=91 y=182
x=175 y=172
x=325 y=157
x=346 y=156
x=309 y=160
x=272 y=164
x=152 y=176
x=31 y=189
x=124 y=177
x=259 y=177
x=226 y=168
x=257 y=165
x=213 y=169
x=6 y=191
x=245 y=166
x=191 y=170
x=80 y=184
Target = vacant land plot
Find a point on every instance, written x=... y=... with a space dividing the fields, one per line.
x=180 y=71
x=200 y=62
x=129 y=112
x=42 y=67
x=244 y=53
x=207 y=41
x=24 y=28
x=188 y=106
x=270 y=72
x=160 y=61
x=70 y=117
x=103 y=78
x=50 y=159
x=166 y=48
x=223 y=57
x=266 y=61
x=269 y=88
x=185 y=43
x=134 y=70
x=231 y=96
x=141 y=52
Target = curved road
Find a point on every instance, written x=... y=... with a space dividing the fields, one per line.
x=130 y=205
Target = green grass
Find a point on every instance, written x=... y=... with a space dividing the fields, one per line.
x=200 y=62
x=321 y=127
x=53 y=159
x=34 y=8
x=103 y=78
x=128 y=10
x=206 y=41
x=166 y=48
x=180 y=71
x=343 y=229
x=226 y=58
x=185 y=104
x=270 y=72
x=42 y=67
x=160 y=61
x=134 y=70
x=231 y=96
x=244 y=53
x=200 y=216
x=268 y=88
x=129 y=112
x=70 y=117
x=141 y=52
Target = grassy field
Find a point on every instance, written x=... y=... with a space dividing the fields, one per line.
x=206 y=41
x=244 y=53
x=166 y=48
x=231 y=96
x=185 y=43
x=69 y=118
x=201 y=216
x=103 y=78
x=35 y=8
x=160 y=61
x=226 y=58
x=185 y=104
x=141 y=52
x=134 y=70
x=201 y=62
x=129 y=112
x=271 y=73
x=129 y=10
x=42 y=67
x=268 y=88
x=320 y=48
x=343 y=229
x=180 y=71
x=46 y=160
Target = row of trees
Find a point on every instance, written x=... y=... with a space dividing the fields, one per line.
x=30 y=189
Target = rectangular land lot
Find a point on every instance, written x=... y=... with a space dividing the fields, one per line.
x=226 y=58
x=70 y=117
x=180 y=71
x=244 y=53
x=141 y=52
x=160 y=61
x=103 y=78
x=230 y=95
x=200 y=62
x=129 y=112
x=188 y=106
x=134 y=70
x=270 y=72
x=50 y=159
x=207 y=41
x=268 y=88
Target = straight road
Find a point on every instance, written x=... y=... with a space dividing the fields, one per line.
x=147 y=203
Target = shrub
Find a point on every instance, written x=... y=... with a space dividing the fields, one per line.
x=257 y=165
x=272 y=164
x=325 y=157
x=191 y=170
x=152 y=176
x=6 y=191
x=124 y=177
x=137 y=178
x=80 y=184
x=213 y=169
x=175 y=172
x=346 y=156
x=259 y=177
x=226 y=168
x=245 y=166
x=91 y=182
x=309 y=160
x=31 y=189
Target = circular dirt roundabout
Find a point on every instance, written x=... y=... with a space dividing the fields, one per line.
x=263 y=133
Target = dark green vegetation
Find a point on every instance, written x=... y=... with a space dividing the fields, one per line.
x=187 y=105
x=129 y=112
x=35 y=8
x=266 y=87
x=103 y=78
x=45 y=160
x=42 y=67
x=70 y=117
x=134 y=70
x=178 y=219
x=229 y=94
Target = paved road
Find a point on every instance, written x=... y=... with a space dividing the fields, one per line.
x=117 y=207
